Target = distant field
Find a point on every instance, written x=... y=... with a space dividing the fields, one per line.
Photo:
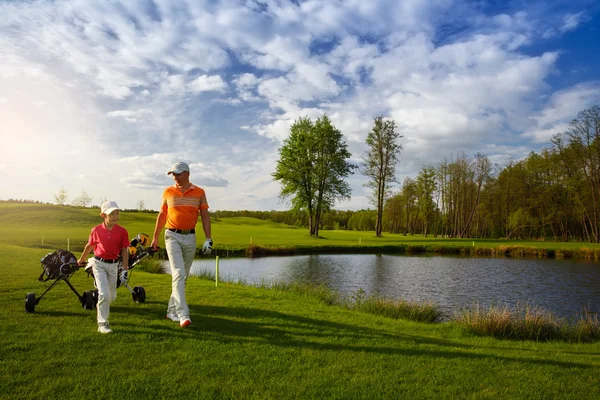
x=57 y=226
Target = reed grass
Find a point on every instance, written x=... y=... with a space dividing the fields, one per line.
x=396 y=309
x=152 y=265
x=526 y=321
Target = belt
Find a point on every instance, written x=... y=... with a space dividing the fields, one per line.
x=106 y=260
x=182 y=231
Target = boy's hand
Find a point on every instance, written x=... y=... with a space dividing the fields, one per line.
x=124 y=277
x=81 y=262
x=207 y=247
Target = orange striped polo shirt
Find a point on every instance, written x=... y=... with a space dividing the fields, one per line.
x=183 y=208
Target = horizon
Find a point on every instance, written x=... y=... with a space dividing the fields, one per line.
x=104 y=98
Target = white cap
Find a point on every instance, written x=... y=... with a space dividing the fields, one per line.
x=108 y=207
x=178 y=168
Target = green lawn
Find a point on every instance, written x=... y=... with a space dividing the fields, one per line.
x=247 y=342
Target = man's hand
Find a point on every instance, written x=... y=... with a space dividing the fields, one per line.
x=207 y=247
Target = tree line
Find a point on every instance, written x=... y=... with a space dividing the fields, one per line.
x=553 y=194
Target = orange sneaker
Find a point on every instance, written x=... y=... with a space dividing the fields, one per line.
x=185 y=321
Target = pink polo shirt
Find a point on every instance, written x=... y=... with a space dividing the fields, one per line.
x=108 y=244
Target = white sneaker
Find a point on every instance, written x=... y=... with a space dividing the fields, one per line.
x=185 y=321
x=104 y=329
x=172 y=317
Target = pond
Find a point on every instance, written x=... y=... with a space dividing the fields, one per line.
x=564 y=287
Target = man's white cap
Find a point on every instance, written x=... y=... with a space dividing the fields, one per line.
x=108 y=207
x=178 y=168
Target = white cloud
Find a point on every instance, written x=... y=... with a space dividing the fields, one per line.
x=205 y=83
x=571 y=21
x=129 y=115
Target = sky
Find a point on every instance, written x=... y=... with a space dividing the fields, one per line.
x=104 y=96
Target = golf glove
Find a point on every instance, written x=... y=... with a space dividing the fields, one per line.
x=124 y=276
x=207 y=247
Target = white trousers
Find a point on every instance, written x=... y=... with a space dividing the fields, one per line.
x=105 y=275
x=181 y=250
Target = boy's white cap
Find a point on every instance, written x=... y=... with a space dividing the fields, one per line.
x=108 y=207
x=178 y=168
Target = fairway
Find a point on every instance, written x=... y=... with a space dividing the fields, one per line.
x=251 y=343
x=52 y=227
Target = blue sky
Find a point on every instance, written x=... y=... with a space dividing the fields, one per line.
x=103 y=97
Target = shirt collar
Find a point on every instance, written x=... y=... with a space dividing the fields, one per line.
x=190 y=188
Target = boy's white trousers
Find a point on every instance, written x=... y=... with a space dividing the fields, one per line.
x=105 y=275
x=181 y=250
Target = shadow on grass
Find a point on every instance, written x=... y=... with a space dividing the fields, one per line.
x=250 y=325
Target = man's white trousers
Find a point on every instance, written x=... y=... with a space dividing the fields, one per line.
x=181 y=250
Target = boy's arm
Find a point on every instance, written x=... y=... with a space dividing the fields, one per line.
x=86 y=250
x=125 y=258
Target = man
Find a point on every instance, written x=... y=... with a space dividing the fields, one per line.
x=181 y=204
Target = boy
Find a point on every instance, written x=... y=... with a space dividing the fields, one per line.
x=110 y=243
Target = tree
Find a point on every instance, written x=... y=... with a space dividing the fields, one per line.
x=311 y=168
x=82 y=200
x=379 y=163
x=61 y=196
x=141 y=205
x=584 y=138
x=426 y=186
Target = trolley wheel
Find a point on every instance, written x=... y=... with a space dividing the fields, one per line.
x=139 y=294
x=87 y=300
x=95 y=296
x=30 y=302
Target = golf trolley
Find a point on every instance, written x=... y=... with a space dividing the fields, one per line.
x=61 y=265
x=58 y=266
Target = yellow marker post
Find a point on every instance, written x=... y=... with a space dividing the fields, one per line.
x=217 y=271
x=42 y=240
x=68 y=244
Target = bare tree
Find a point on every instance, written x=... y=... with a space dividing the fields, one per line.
x=61 y=196
x=141 y=205
x=379 y=163
x=82 y=200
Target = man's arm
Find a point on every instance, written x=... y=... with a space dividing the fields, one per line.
x=205 y=216
x=161 y=220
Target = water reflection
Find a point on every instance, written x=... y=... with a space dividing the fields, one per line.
x=453 y=283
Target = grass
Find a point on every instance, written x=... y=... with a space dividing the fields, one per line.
x=259 y=343
x=274 y=341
